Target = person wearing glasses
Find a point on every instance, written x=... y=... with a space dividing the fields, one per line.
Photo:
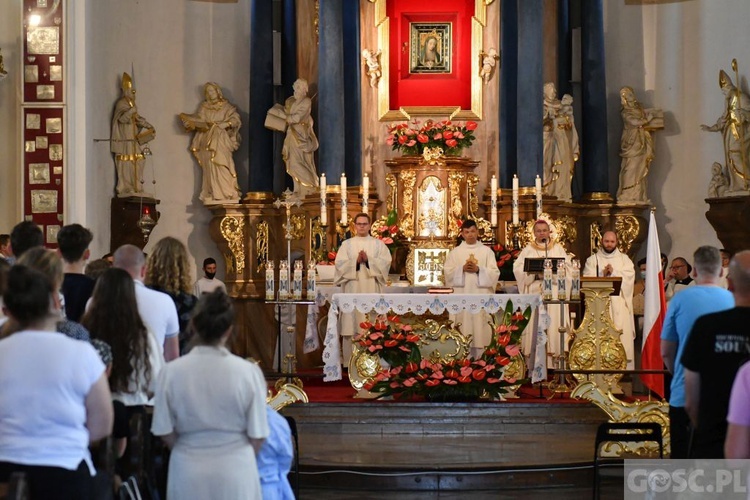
x=362 y=265
x=678 y=277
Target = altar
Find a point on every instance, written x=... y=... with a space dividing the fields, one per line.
x=402 y=303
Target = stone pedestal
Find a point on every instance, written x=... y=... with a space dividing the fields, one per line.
x=730 y=218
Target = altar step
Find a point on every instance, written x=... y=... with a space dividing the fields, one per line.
x=401 y=446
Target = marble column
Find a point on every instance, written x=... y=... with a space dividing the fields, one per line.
x=331 y=91
x=352 y=97
x=508 y=92
x=594 y=102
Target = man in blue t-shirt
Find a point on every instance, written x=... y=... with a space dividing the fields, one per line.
x=704 y=297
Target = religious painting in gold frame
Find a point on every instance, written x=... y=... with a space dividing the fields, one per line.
x=474 y=112
x=430 y=48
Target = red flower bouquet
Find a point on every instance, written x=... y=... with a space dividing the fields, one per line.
x=466 y=379
x=505 y=257
x=410 y=138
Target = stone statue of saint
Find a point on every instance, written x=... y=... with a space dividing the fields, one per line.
x=717 y=188
x=300 y=142
x=734 y=125
x=217 y=136
x=636 y=146
x=560 y=139
x=372 y=64
x=131 y=134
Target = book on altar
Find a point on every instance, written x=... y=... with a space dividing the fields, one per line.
x=276 y=118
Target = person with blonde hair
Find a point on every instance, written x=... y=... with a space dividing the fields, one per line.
x=168 y=271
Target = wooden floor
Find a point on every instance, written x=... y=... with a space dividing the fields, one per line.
x=415 y=449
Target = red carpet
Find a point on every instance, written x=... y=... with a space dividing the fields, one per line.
x=341 y=391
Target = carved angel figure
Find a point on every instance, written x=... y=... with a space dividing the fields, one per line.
x=489 y=60
x=372 y=62
x=719 y=184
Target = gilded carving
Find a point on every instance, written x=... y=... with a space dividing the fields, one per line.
x=298 y=226
x=390 y=202
x=627 y=228
x=596 y=343
x=456 y=211
x=424 y=264
x=442 y=341
x=621 y=411
x=286 y=395
x=233 y=231
x=595 y=235
x=409 y=179
x=567 y=231
x=317 y=239
x=43 y=201
x=431 y=207
x=261 y=244
x=484 y=226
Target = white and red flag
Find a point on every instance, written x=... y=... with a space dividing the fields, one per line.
x=654 y=311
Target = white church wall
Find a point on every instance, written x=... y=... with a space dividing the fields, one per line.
x=172 y=47
x=10 y=133
x=671 y=54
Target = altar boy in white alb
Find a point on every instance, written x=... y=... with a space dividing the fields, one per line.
x=471 y=268
x=609 y=261
x=362 y=265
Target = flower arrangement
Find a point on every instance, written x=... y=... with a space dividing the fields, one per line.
x=505 y=257
x=410 y=138
x=388 y=232
x=329 y=258
x=466 y=379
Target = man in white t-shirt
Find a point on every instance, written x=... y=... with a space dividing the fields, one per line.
x=209 y=282
x=157 y=309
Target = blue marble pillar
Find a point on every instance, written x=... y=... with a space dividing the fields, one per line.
x=508 y=92
x=331 y=93
x=530 y=91
x=352 y=97
x=261 y=140
x=564 y=48
x=594 y=100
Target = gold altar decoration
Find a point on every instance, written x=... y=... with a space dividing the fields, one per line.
x=286 y=395
x=383 y=24
x=233 y=229
x=620 y=411
x=485 y=229
x=424 y=264
x=627 y=228
x=441 y=341
x=596 y=342
x=261 y=244
x=298 y=226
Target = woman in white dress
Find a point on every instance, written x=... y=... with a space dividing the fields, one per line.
x=210 y=408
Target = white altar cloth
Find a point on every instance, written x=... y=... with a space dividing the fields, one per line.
x=402 y=303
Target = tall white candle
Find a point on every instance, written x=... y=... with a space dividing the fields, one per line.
x=493 y=201
x=515 y=199
x=344 y=215
x=323 y=213
x=323 y=187
x=538 y=190
x=365 y=193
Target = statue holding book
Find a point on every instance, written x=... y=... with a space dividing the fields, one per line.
x=300 y=142
x=217 y=136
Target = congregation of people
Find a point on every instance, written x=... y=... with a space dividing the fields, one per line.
x=103 y=359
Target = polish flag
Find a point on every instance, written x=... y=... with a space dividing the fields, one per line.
x=655 y=308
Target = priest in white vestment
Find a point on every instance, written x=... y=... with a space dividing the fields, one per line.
x=543 y=246
x=471 y=268
x=609 y=261
x=362 y=265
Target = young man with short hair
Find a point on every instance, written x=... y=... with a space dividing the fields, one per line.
x=209 y=282
x=73 y=241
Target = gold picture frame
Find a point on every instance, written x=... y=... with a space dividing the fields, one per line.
x=382 y=23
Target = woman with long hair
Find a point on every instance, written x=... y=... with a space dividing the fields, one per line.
x=54 y=398
x=210 y=407
x=168 y=271
x=112 y=316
